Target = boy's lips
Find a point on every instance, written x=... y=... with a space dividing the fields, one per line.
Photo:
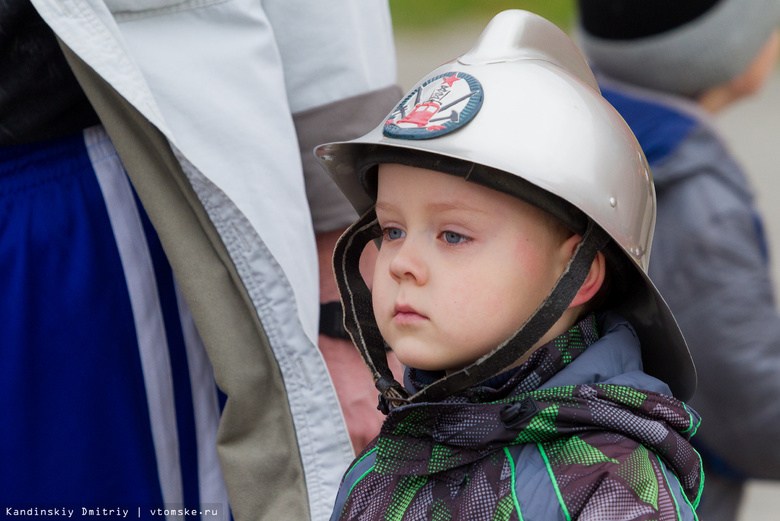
x=405 y=314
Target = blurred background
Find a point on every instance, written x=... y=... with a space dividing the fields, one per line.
x=431 y=32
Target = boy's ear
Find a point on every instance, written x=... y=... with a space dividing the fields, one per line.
x=595 y=277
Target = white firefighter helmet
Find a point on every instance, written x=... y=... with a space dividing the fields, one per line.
x=521 y=113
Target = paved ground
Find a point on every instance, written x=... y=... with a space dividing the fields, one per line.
x=752 y=127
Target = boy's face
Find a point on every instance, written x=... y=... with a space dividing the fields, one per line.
x=461 y=266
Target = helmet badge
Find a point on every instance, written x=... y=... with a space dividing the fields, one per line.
x=438 y=106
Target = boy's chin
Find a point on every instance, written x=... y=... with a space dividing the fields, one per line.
x=422 y=355
x=423 y=364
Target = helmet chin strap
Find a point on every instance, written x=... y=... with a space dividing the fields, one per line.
x=360 y=322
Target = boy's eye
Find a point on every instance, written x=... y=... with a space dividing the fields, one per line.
x=394 y=233
x=453 y=238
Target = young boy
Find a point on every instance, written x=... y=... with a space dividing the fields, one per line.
x=515 y=213
x=667 y=69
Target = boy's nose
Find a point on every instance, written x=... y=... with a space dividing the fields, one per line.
x=408 y=263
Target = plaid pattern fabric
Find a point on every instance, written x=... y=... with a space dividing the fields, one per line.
x=605 y=446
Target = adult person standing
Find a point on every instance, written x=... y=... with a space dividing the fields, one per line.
x=667 y=67
x=117 y=286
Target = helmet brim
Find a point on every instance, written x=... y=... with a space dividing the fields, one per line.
x=665 y=354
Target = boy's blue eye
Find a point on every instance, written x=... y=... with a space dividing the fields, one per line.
x=394 y=233
x=453 y=238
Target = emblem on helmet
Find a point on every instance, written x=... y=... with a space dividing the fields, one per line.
x=440 y=105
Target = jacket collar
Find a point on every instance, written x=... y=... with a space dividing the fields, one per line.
x=444 y=438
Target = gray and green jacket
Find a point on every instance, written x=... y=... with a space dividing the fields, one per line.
x=577 y=432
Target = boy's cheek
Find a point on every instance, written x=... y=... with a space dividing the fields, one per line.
x=381 y=300
x=368 y=262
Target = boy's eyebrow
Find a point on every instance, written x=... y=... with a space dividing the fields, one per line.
x=438 y=207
